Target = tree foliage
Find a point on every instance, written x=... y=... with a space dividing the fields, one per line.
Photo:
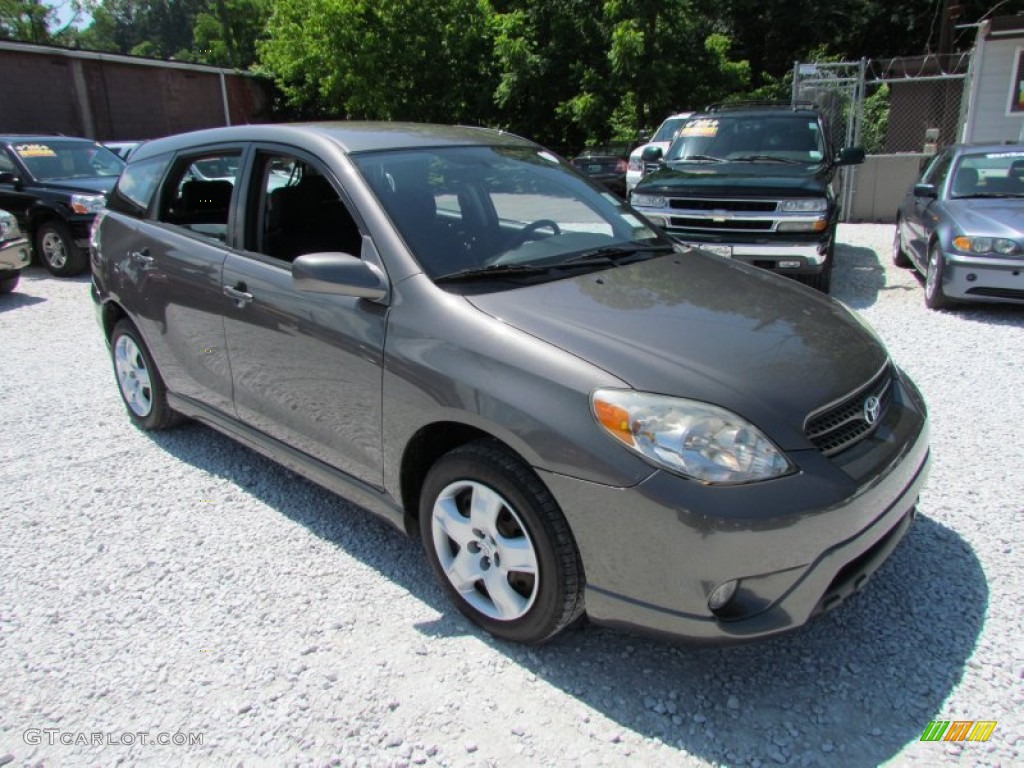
x=562 y=73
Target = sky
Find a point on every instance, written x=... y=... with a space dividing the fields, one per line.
x=64 y=12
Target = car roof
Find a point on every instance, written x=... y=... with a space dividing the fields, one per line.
x=811 y=114
x=963 y=149
x=14 y=138
x=349 y=136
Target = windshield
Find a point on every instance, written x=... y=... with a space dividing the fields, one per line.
x=469 y=208
x=54 y=159
x=668 y=129
x=991 y=174
x=786 y=138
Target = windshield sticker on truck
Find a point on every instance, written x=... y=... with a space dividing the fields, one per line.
x=705 y=128
x=34 y=150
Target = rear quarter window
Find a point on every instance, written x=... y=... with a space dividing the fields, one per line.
x=135 y=188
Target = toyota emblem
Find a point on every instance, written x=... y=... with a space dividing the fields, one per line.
x=872 y=408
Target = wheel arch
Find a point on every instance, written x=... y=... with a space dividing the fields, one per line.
x=429 y=443
x=110 y=314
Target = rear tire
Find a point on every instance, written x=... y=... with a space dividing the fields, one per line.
x=9 y=281
x=142 y=389
x=57 y=250
x=899 y=256
x=499 y=545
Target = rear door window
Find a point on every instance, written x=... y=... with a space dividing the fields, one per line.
x=198 y=193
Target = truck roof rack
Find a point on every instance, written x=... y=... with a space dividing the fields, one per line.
x=728 y=106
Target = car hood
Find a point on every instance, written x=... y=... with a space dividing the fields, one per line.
x=88 y=185
x=736 y=179
x=694 y=325
x=998 y=217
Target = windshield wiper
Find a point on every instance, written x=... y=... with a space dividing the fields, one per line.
x=987 y=194
x=698 y=158
x=765 y=158
x=493 y=270
x=613 y=253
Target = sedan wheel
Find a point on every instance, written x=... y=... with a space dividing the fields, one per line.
x=499 y=544
x=141 y=387
x=899 y=256
x=57 y=250
x=934 y=298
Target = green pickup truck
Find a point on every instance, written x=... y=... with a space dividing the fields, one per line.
x=752 y=182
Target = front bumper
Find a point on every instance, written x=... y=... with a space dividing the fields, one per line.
x=14 y=254
x=799 y=545
x=974 y=278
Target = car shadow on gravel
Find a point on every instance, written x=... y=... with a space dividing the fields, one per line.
x=858 y=276
x=17 y=300
x=854 y=687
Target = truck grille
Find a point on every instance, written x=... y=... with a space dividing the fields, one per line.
x=841 y=425
x=733 y=225
x=693 y=204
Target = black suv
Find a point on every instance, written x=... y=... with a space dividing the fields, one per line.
x=54 y=186
x=751 y=182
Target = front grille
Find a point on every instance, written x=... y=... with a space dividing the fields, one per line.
x=998 y=293
x=692 y=204
x=745 y=225
x=841 y=425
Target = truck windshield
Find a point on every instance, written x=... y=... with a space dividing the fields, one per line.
x=757 y=138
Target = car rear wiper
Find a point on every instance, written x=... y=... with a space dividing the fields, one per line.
x=765 y=158
x=493 y=270
x=613 y=253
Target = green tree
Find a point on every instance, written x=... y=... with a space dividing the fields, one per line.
x=225 y=34
x=25 y=20
x=426 y=60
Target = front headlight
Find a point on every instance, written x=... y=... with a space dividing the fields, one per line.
x=647 y=201
x=8 y=227
x=694 y=439
x=804 y=205
x=88 y=203
x=1000 y=245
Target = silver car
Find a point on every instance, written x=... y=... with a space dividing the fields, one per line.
x=14 y=254
x=456 y=330
x=962 y=226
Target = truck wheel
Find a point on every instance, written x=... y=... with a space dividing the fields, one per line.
x=823 y=280
x=57 y=251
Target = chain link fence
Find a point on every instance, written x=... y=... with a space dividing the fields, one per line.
x=912 y=107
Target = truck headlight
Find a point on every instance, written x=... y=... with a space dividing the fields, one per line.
x=88 y=203
x=648 y=201
x=804 y=205
x=698 y=440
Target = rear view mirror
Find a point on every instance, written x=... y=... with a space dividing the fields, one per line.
x=339 y=273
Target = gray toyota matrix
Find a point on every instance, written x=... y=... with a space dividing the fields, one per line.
x=454 y=329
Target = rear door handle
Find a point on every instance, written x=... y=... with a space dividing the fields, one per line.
x=238 y=295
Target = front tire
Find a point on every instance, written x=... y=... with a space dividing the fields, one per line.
x=934 y=298
x=499 y=545
x=9 y=281
x=142 y=389
x=899 y=256
x=57 y=251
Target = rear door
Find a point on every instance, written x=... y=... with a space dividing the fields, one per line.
x=307 y=367
x=177 y=264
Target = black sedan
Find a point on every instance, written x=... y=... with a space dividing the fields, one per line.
x=606 y=164
x=962 y=226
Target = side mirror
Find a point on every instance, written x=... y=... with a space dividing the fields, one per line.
x=339 y=273
x=925 y=190
x=652 y=155
x=6 y=177
x=850 y=156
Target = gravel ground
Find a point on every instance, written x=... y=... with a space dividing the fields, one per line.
x=180 y=584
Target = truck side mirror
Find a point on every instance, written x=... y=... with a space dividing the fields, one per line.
x=651 y=154
x=6 y=177
x=850 y=156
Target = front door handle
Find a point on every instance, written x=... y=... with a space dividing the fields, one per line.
x=238 y=295
x=141 y=256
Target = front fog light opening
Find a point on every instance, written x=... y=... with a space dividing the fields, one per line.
x=722 y=595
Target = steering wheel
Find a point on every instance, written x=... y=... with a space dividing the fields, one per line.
x=524 y=234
